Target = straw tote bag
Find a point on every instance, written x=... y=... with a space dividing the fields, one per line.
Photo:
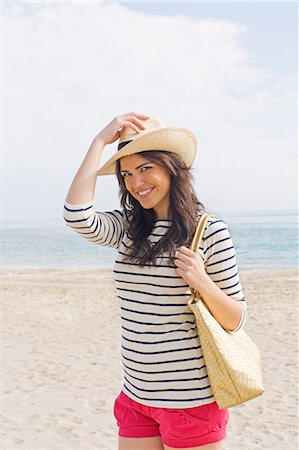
x=232 y=359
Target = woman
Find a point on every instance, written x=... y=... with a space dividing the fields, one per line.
x=166 y=401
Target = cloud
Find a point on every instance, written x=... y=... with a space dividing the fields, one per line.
x=69 y=68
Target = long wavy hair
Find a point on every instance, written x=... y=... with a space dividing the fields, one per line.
x=184 y=206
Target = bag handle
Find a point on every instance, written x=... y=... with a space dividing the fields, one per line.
x=199 y=232
x=200 y=228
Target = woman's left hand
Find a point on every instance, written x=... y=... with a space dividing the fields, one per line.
x=190 y=267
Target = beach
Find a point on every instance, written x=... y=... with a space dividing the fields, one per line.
x=62 y=363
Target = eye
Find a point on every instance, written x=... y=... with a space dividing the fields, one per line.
x=146 y=167
x=126 y=174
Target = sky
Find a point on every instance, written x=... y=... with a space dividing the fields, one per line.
x=227 y=71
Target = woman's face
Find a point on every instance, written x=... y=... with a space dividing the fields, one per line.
x=148 y=182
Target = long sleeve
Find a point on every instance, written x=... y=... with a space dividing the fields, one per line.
x=101 y=228
x=221 y=265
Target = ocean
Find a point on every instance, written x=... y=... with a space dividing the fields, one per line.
x=262 y=241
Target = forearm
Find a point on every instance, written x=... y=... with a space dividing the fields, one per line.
x=83 y=185
x=227 y=311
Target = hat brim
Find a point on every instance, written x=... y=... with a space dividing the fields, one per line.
x=173 y=139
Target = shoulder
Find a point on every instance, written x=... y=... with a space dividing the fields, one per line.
x=215 y=228
x=215 y=222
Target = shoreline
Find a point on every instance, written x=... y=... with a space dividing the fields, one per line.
x=249 y=278
x=107 y=269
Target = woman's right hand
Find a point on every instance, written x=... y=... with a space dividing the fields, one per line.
x=111 y=132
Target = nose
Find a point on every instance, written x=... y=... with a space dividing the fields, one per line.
x=137 y=182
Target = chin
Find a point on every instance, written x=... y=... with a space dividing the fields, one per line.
x=147 y=206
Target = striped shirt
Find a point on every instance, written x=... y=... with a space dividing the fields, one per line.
x=162 y=360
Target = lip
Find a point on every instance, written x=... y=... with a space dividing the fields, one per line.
x=146 y=195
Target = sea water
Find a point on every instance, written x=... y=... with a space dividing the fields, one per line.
x=261 y=239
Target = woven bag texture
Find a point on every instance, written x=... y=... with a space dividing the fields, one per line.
x=232 y=359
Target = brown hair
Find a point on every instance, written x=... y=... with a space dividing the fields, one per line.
x=184 y=205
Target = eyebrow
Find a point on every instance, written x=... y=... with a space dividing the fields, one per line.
x=138 y=167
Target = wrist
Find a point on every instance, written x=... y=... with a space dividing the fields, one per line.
x=205 y=285
x=99 y=138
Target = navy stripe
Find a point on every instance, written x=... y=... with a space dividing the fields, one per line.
x=223 y=250
x=158 y=332
x=159 y=294
x=157 y=314
x=101 y=227
x=120 y=223
x=165 y=371
x=234 y=293
x=152 y=303
x=162 y=362
x=94 y=222
x=160 y=342
x=223 y=270
x=168 y=399
x=87 y=227
x=147 y=275
x=212 y=222
x=78 y=221
x=213 y=234
x=221 y=261
x=229 y=287
x=158 y=324
x=167 y=381
x=104 y=239
x=168 y=390
x=225 y=279
x=162 y=351
x=77 y=210
x=216 y=243
x=153 y=284
x=83 y=228
x=112 y=234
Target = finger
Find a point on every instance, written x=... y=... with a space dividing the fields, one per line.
x=140 y=116
x=186 y=251
x=179 y=263
x=179 y=272
x=180 y=254
x=136 y=122
x=184 y=258
x=131 y=125
x=131 y=115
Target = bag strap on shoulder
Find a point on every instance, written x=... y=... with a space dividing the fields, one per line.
x=199 y=232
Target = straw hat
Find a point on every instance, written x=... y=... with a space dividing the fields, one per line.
x=156 y=136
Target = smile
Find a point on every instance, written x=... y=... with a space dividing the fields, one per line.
x=145 y=193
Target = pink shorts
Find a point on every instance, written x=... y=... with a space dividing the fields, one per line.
x=179 y=428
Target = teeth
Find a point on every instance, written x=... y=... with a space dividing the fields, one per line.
x=145 y=192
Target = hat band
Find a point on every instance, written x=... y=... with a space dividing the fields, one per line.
x=122 y=144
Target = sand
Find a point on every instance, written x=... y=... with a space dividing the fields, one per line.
x=62 y=367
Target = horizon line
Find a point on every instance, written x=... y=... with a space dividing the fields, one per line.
x=232 y=212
